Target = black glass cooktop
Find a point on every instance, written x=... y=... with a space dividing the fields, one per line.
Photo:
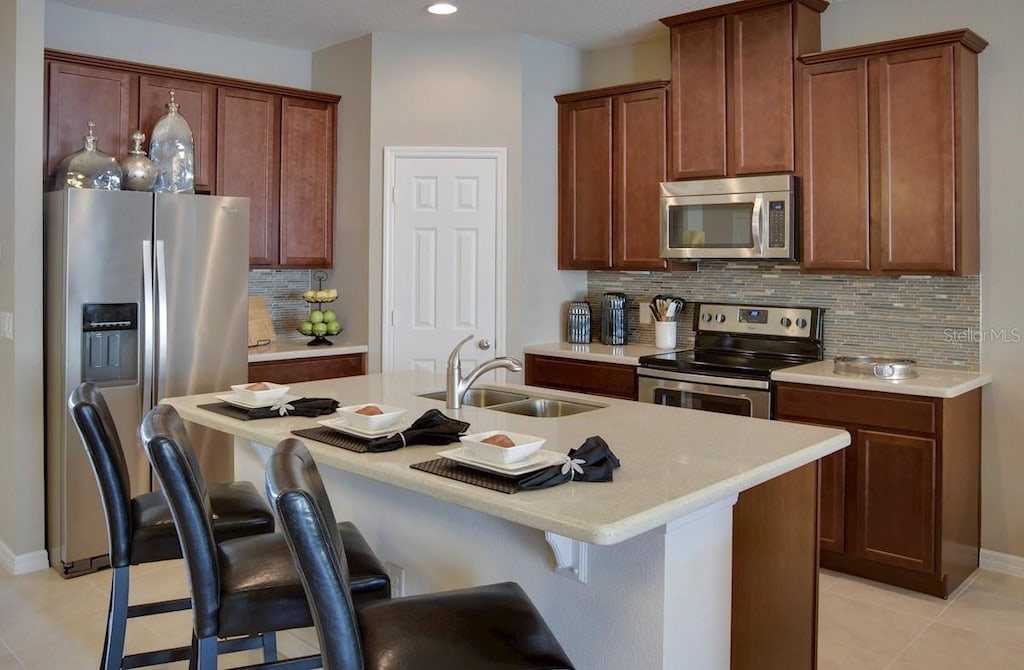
x=725 y=364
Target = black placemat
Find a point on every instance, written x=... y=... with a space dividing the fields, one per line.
x=452 y=470
x=333 y=438
x=227 y=409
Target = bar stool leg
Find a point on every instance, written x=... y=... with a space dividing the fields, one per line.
x=269 y=646
x=117 y=620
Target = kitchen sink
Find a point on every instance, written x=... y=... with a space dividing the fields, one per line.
x=517 y=403
x=480 y=397
x=545 y=407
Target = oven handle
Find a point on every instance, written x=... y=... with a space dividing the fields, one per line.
x=703 y=379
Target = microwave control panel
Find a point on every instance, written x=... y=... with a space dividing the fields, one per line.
x=776 y=224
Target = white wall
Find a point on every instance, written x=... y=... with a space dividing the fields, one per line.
x=629 y=63
x=537 y=301
x=99 y=34
x=22 y=518
x=345 y=69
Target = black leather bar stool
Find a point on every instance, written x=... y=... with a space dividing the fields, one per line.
x=484 y=628
x=243 y=586
x=141 y=530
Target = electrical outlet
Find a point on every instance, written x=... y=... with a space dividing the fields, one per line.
x=397 y=575
x=645 y=314
x=7 y=325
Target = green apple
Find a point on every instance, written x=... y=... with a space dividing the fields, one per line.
x=306 y=328
x=320 y=328
x=316 y=316
x=333 y=327
x=329 y=316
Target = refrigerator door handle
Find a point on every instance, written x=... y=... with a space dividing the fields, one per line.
x=149 y=331
x=161 y=306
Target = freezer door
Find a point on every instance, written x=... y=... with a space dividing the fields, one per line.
x=94 y=256
x=201 y=246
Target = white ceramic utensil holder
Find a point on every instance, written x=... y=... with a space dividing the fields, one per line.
x=665 y=334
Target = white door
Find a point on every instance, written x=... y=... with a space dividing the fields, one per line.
x=444 y=256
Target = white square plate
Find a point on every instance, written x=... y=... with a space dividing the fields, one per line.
x=343 y=426
x=232 y=399
x=538 y=460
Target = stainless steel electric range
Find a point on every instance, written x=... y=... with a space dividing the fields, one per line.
x=736 y=348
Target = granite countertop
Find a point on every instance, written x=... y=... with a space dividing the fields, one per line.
x=626 y=354
x=674 y=461
x=929 y=382
x=289 y=348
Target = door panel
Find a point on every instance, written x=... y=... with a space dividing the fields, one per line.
x=698 y=114
x=585 y=196
x=307 y=167
x=444 y=260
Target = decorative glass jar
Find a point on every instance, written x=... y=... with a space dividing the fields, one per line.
x=139 y=173
x=171 y=148
x=89 y=168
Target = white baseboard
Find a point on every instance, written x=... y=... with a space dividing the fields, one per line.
x=21 y=564
x=1008 y=564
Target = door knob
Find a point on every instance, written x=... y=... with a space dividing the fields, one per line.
x=484 y=344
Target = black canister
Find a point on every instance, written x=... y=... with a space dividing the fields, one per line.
x=613 y=318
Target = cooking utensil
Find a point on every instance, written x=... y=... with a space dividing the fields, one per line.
x=874 y=366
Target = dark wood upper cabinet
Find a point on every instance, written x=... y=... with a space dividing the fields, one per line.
x=275 y=145
x=78 y=94
x=889 y=145
x=611 y=160
x=308 y=139
x=248 y=127
x=197 y=102
x=732 y=109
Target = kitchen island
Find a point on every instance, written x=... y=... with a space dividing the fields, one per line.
x=634 y=573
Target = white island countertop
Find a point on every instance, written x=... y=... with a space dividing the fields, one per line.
x=289 y=348
x=674 y=461
x=929 y=382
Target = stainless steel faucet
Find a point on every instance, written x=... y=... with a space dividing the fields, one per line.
x=457 y=385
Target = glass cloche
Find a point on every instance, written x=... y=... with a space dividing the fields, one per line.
x=171 y=148
x=89 y=168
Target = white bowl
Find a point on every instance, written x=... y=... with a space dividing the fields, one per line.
x=271 y=393
x=368 y=422
x=492 y=453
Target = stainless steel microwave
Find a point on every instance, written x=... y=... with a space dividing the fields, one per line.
x=738 y=218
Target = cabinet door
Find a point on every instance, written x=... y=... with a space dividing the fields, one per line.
x=698 y=116
x=639 y=168
x=585 y=185
x=78 y=94
x=608 y=379
x=835 y=189
x=761 y=90
x=248 y=159
x=832 y=501
x=307 y=183
x=916 y=160
x=896 y=500
x=197 y=102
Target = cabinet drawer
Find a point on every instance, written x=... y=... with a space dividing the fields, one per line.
x=307 y=369
x=864 y=408
x=617 y=381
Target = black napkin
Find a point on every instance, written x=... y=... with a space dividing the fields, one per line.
x=300 y=407
x=592 y=461
x=431 y=428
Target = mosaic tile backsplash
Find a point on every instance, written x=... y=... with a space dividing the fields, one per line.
x=935 y=320
x=282 y=289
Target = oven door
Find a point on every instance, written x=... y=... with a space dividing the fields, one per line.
x=698 y=392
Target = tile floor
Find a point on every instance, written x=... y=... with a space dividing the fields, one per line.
x=47 y=622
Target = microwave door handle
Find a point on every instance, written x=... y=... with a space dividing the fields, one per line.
x=755 y=221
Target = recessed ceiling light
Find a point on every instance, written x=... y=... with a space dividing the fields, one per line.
x=442 y=8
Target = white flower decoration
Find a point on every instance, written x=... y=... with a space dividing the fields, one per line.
x=572 y=466
x=282 y=409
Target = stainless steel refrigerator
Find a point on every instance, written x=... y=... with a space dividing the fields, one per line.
x=147 y=296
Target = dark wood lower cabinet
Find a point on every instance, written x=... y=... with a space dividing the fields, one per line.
x=775 y=573
x=901 y=505
x=296 y=370
x=607 y=379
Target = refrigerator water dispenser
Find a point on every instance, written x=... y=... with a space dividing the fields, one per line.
x=110 y=342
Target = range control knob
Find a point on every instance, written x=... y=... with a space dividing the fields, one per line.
x=801 y=322
x=720 y=318
x=786 y=322
x=705 y=317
